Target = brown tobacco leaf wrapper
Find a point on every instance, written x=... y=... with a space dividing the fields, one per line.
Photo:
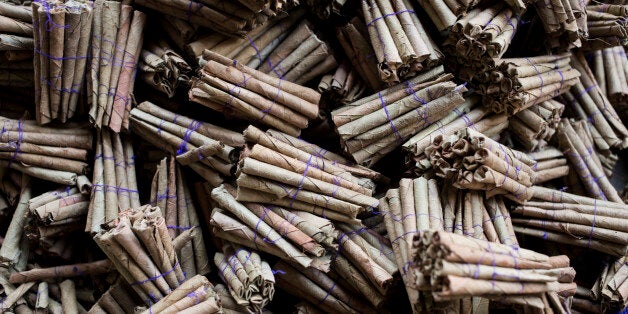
x=118 y=32
x=228 y=202
x=405 y=53
x=118 y=239
x=536 y=273
x=61 y=33
x=489 y=30
x=590 y=103
x=579 y=154
x=163 y=68
x=283 y=105
x=233 y=18
x=172 y=195
x=248 y=277
x=372 y=127
x=535 y=126
x=98 y=267
x=493 y=167
x=445 y=13
x=179 y=135
x=194 y=291
x=606 y=25
x=519 y=83
x=609 y=67
x=115 y=186
x=564 y=22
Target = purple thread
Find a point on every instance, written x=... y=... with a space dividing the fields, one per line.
x=194 y=125
x=18 y=144
x=392 y=125
x=117 y=189
x=303 y=176
x=156 y=277
x=387 y=15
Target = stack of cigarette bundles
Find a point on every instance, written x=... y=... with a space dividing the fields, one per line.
x=49 y=153
x=114 y=183
x=170 y=192
x=139 y=246
x=518 y=83
x=373 y=126
x=573 y=219
x=234 y=89
x=208 y=149
x=162 y=68
x=401 y=43
x=480 y=38
x=473 y=161
x=62 y=38
x=458 y=267
x=118 y=33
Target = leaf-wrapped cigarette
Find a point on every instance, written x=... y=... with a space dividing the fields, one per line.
x=534 y=127
x=281 y=170
x=572 y=219
x=318 y=287
x=138 y=245
x=550 y=164
x=344 y=86
x=118 y=33
x=610 y=289
x=401 y=43
x=579 y=150
x=610 y=68
x=249 y=278
x=445 y=13
x=606 y=24
x=189 y=296
x=231 y=18
x=480 y=38
x=10 y=252
x=62 y=32
x=473 y=161
x=114 y=186
x=16 y=38
x=456 y=266
x=172 y=195
x=299 y=59
x=254 y=48
x=56 y=214
x=53 y=154
x=162 y=68
x=353 y=38
x=519 y=83
x=255 y=217
x=373 y=126
x=233 y=88
x=564 y=21
x=589 y=103
x=209 y=150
